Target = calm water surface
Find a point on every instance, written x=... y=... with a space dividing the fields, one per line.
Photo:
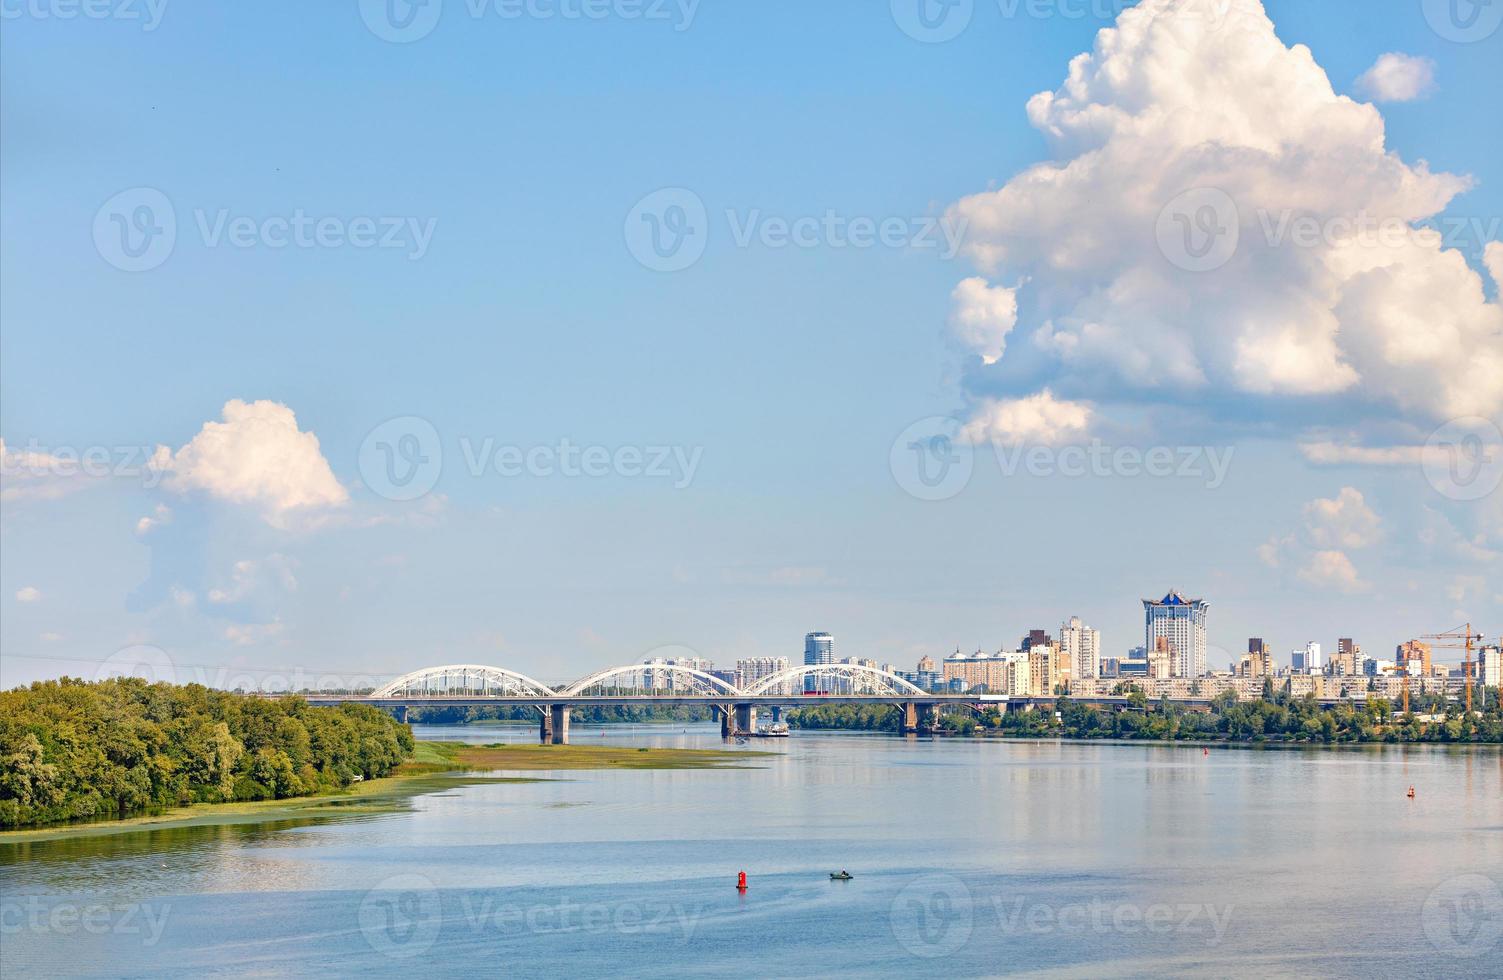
x=971 y=858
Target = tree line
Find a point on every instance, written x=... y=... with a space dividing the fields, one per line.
x=72 y=750
x=1276 y=717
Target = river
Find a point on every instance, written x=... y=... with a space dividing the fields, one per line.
x=969 y=858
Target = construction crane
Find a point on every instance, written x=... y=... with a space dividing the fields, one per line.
x=1460 y=638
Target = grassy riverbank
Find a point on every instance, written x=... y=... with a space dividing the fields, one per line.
x=432 y=767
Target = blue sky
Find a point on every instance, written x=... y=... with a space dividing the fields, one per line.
x=523 y=144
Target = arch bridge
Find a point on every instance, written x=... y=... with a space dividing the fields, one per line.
x=474 y=685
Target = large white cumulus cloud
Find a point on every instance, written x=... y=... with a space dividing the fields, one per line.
x=1328 y=297
x=256 y=456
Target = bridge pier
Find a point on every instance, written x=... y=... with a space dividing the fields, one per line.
x=545 y=724
x=727 y=722
x=560 y=723
x=746 y=718
x=908 y=718
x=777 y=714
x=401 y=713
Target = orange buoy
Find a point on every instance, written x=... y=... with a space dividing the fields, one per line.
x=1411 y=792
x=741 y=882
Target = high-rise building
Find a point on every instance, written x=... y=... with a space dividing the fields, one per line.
x=656 y=675
x=1080 y=647
x=1181 y=622
x=1258 y=661
x=1490 y=666
x=1348 y=657
x=1310 y=663
x=819 y=648
x=1413 y=658
x=982 y=672
x=752 y=669
x=1161 y=659
x=1036 y=637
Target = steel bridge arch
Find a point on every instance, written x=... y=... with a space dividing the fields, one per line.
x=715 y=685
x=885 y=684
x=510 y=683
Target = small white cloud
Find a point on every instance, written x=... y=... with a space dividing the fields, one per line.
x=1039 y=419
x=1328 y=453
x=1332 y=570
x=1397 y=77
x=1344 y=521
x=981 y=317
x=256 y=456
x=37 y=474
x=250 y=577
x=1272 y=552
x=29 y=594
x=162 y=515
x=249 y=634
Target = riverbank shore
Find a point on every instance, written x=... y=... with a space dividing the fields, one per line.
x=433 y=767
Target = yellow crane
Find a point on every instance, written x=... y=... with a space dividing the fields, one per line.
x=1460 y=638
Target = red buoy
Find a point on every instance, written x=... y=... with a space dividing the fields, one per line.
x=741 y=882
